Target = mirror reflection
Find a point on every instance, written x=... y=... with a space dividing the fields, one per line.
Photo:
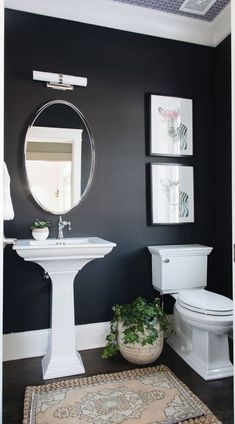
x=59 y=157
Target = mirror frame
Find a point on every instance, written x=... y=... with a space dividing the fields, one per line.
x=92 y=144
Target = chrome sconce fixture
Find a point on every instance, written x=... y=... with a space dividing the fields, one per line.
x=59 y=81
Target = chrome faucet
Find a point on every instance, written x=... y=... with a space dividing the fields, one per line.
x=61 y=225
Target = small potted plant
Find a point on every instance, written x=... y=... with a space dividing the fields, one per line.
x=137 y=331
x=40 y=229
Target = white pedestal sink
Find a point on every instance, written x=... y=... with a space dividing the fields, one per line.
x=62 y=259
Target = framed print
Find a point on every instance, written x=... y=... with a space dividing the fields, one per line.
x=171 y=126
x=172 y=194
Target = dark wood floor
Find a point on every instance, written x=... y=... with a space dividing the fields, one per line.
x=217 y=394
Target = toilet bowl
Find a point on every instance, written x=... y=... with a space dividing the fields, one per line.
x=202 y=319
x=201 y=335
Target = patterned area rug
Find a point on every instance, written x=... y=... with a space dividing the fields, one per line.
x=143 y=396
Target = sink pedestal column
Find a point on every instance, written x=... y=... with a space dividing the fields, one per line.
x=62 y=359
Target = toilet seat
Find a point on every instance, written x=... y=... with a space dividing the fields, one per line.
x=205 y=302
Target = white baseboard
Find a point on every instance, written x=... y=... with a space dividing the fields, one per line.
x=30 y=344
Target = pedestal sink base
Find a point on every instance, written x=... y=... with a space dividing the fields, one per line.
x=61 y=260
x=62 y=367
x=62 y=358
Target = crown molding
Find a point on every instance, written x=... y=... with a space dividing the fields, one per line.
x=222 y=25
x=125 y=17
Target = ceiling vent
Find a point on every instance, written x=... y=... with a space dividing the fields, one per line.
x=198 y=7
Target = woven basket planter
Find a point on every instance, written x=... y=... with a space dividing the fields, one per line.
x=138 y=354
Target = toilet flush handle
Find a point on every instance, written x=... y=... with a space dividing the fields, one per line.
x=166 y=261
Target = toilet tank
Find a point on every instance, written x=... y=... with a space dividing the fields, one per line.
x=179 y=267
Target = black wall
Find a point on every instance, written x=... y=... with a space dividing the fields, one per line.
x=122 y=69
x=222 y=165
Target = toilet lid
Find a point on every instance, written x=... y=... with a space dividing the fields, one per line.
x=205 y=302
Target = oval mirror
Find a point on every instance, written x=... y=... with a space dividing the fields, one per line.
x=59 y=157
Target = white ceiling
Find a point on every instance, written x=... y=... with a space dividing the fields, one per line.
x=126 y=17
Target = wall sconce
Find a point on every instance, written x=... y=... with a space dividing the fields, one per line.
x=59 y=81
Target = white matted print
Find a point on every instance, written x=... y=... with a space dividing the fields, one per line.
x=172 y=194
x=171 y=126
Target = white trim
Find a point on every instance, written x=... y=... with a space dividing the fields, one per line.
x=222 y=25
x=52 y=134
x=126 y=17
x=30 y=344
x=1 y=185
x=233 y=158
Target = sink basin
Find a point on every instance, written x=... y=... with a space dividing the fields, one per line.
x=62 y=259
x=54 y=250
x=53 y=242
x=58 y=242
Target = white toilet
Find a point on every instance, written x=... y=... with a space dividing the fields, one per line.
x=202 y=319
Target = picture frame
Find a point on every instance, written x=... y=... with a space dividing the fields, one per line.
x=172 y=193
x=171 y=126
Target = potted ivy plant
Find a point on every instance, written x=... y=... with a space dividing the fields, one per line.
x=40 y=229
x=137 y=331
